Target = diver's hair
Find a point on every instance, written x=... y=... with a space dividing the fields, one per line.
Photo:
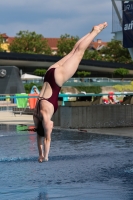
x=39 y=129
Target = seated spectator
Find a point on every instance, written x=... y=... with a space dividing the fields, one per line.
x=105 y=101
x=111 y=98
x=34 y=90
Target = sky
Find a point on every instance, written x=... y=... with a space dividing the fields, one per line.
x=53 y=18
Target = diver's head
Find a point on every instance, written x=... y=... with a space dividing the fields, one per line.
x=40 y=129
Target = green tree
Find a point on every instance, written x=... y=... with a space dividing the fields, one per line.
x=115 y=52
x=30 y=42
x=121 y=72
x=83 y=73
x=94 y=55
x=1 y=41
x=40 y=72
x=66 y=44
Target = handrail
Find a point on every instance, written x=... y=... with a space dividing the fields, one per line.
x=70 y=95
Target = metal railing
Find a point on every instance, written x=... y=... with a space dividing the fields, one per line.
x=3 y=97
x=96 y=81
x=7 y=102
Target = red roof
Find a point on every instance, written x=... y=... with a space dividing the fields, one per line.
x=10 y=39
x=4 y=35
x=52 y=42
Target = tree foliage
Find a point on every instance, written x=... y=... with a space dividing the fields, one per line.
x=29 y=42
x=66 y=44
x=40 y=72
x=121 y=72
x=115 y=52
x=89 y=89
x=83 y=73
x=1 y=41
x=94 y=55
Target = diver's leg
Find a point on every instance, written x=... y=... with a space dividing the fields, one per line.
x=63 y=60
x=69 y=67
x=48 y=126
x=40 y=148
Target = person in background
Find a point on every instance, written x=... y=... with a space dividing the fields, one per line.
x=34 y=90
x=111 y=98
x=55 y=77
x=34 y=93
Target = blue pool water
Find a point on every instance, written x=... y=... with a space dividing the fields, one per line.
x=81 y=166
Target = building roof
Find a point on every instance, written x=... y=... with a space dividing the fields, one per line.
x=97 y=45
x=10 y=39
x=4 y=35
x=52 y=42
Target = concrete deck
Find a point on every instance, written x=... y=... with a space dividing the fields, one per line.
x=7 y=117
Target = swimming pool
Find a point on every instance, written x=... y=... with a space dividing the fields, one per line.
x=81 y=166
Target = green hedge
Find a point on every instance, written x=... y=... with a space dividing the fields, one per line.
x=124 y=88
x=89 y=89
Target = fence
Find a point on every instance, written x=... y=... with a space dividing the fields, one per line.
x=95 y=81
x=7 y=102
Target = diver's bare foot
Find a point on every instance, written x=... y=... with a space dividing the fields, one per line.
x=45 y=159
x=100 y=27
x=40 y=159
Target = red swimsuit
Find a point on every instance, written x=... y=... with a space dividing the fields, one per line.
x=49 y=77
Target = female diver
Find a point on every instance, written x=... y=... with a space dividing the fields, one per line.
x=55 y=77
